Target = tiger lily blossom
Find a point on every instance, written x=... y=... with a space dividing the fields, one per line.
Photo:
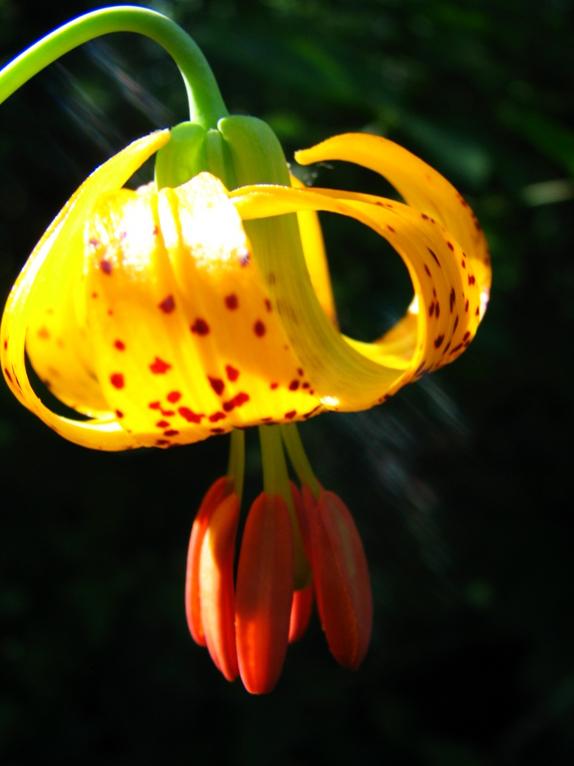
x=201 y=304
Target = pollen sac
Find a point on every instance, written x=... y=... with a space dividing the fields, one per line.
x=340 y=577
x=264 y=593
x=209 y=577
x=301 y=610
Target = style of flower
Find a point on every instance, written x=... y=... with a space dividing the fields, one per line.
x=200 y=304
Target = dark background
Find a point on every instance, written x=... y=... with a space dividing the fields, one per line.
x=459 y=484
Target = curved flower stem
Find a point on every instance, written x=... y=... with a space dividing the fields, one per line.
x=299 y=459
x=236 y=466
x=206 y=105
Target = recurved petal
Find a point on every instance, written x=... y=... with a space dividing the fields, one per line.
x=46 y=306
x=315 y=256
x=421 y=186
x=341 y=578
x=440 y=323
x=187 y=341
x=264 y=594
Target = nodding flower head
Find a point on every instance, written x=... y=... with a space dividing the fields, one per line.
x=201 y=304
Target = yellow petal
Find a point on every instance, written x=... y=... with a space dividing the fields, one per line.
x=315 y=256
x=348 y=374
x=420 y=185
x=186 y=340
x=43 y=302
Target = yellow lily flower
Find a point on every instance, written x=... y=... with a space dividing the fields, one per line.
x=150 y=313
x=184 y=309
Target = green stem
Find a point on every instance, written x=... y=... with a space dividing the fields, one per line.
x=276 y=482
x=299 y=459
x=236 y=466
x=275 y=475
x=205 y=102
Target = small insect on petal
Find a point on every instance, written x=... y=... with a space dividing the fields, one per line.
x=218 y=491
x=264 y=592
x=341 y=578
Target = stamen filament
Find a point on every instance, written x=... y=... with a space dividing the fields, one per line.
x=206 y=104
x=275 y=476
x=236 y=465
x=276 y=482
x=299 y=459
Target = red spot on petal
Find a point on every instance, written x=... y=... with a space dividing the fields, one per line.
x=167 y=413
x=167 y=305
x=43 y=333
x=119 y=414
x=294 y=385
x=305 y=384
x=259 y=328
x=300 y=372
x=162 y=424
x=162 y=442
x=268 y=304
x=154 y=405
x=291 y=414
x=216 y=416
x=189 y=415
x=159 y=366
x=171 y=432
x=217 y=384
x=200 y=327
x=236 y=401
x=231 y=372
x=117 y=380
x=106 y=266
x=231 y=301
x=241 y=398
x=174 y=396
x=273 y=386
x=217 y=430
x=120 y=345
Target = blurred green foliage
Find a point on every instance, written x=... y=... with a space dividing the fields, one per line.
x=459 y=484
